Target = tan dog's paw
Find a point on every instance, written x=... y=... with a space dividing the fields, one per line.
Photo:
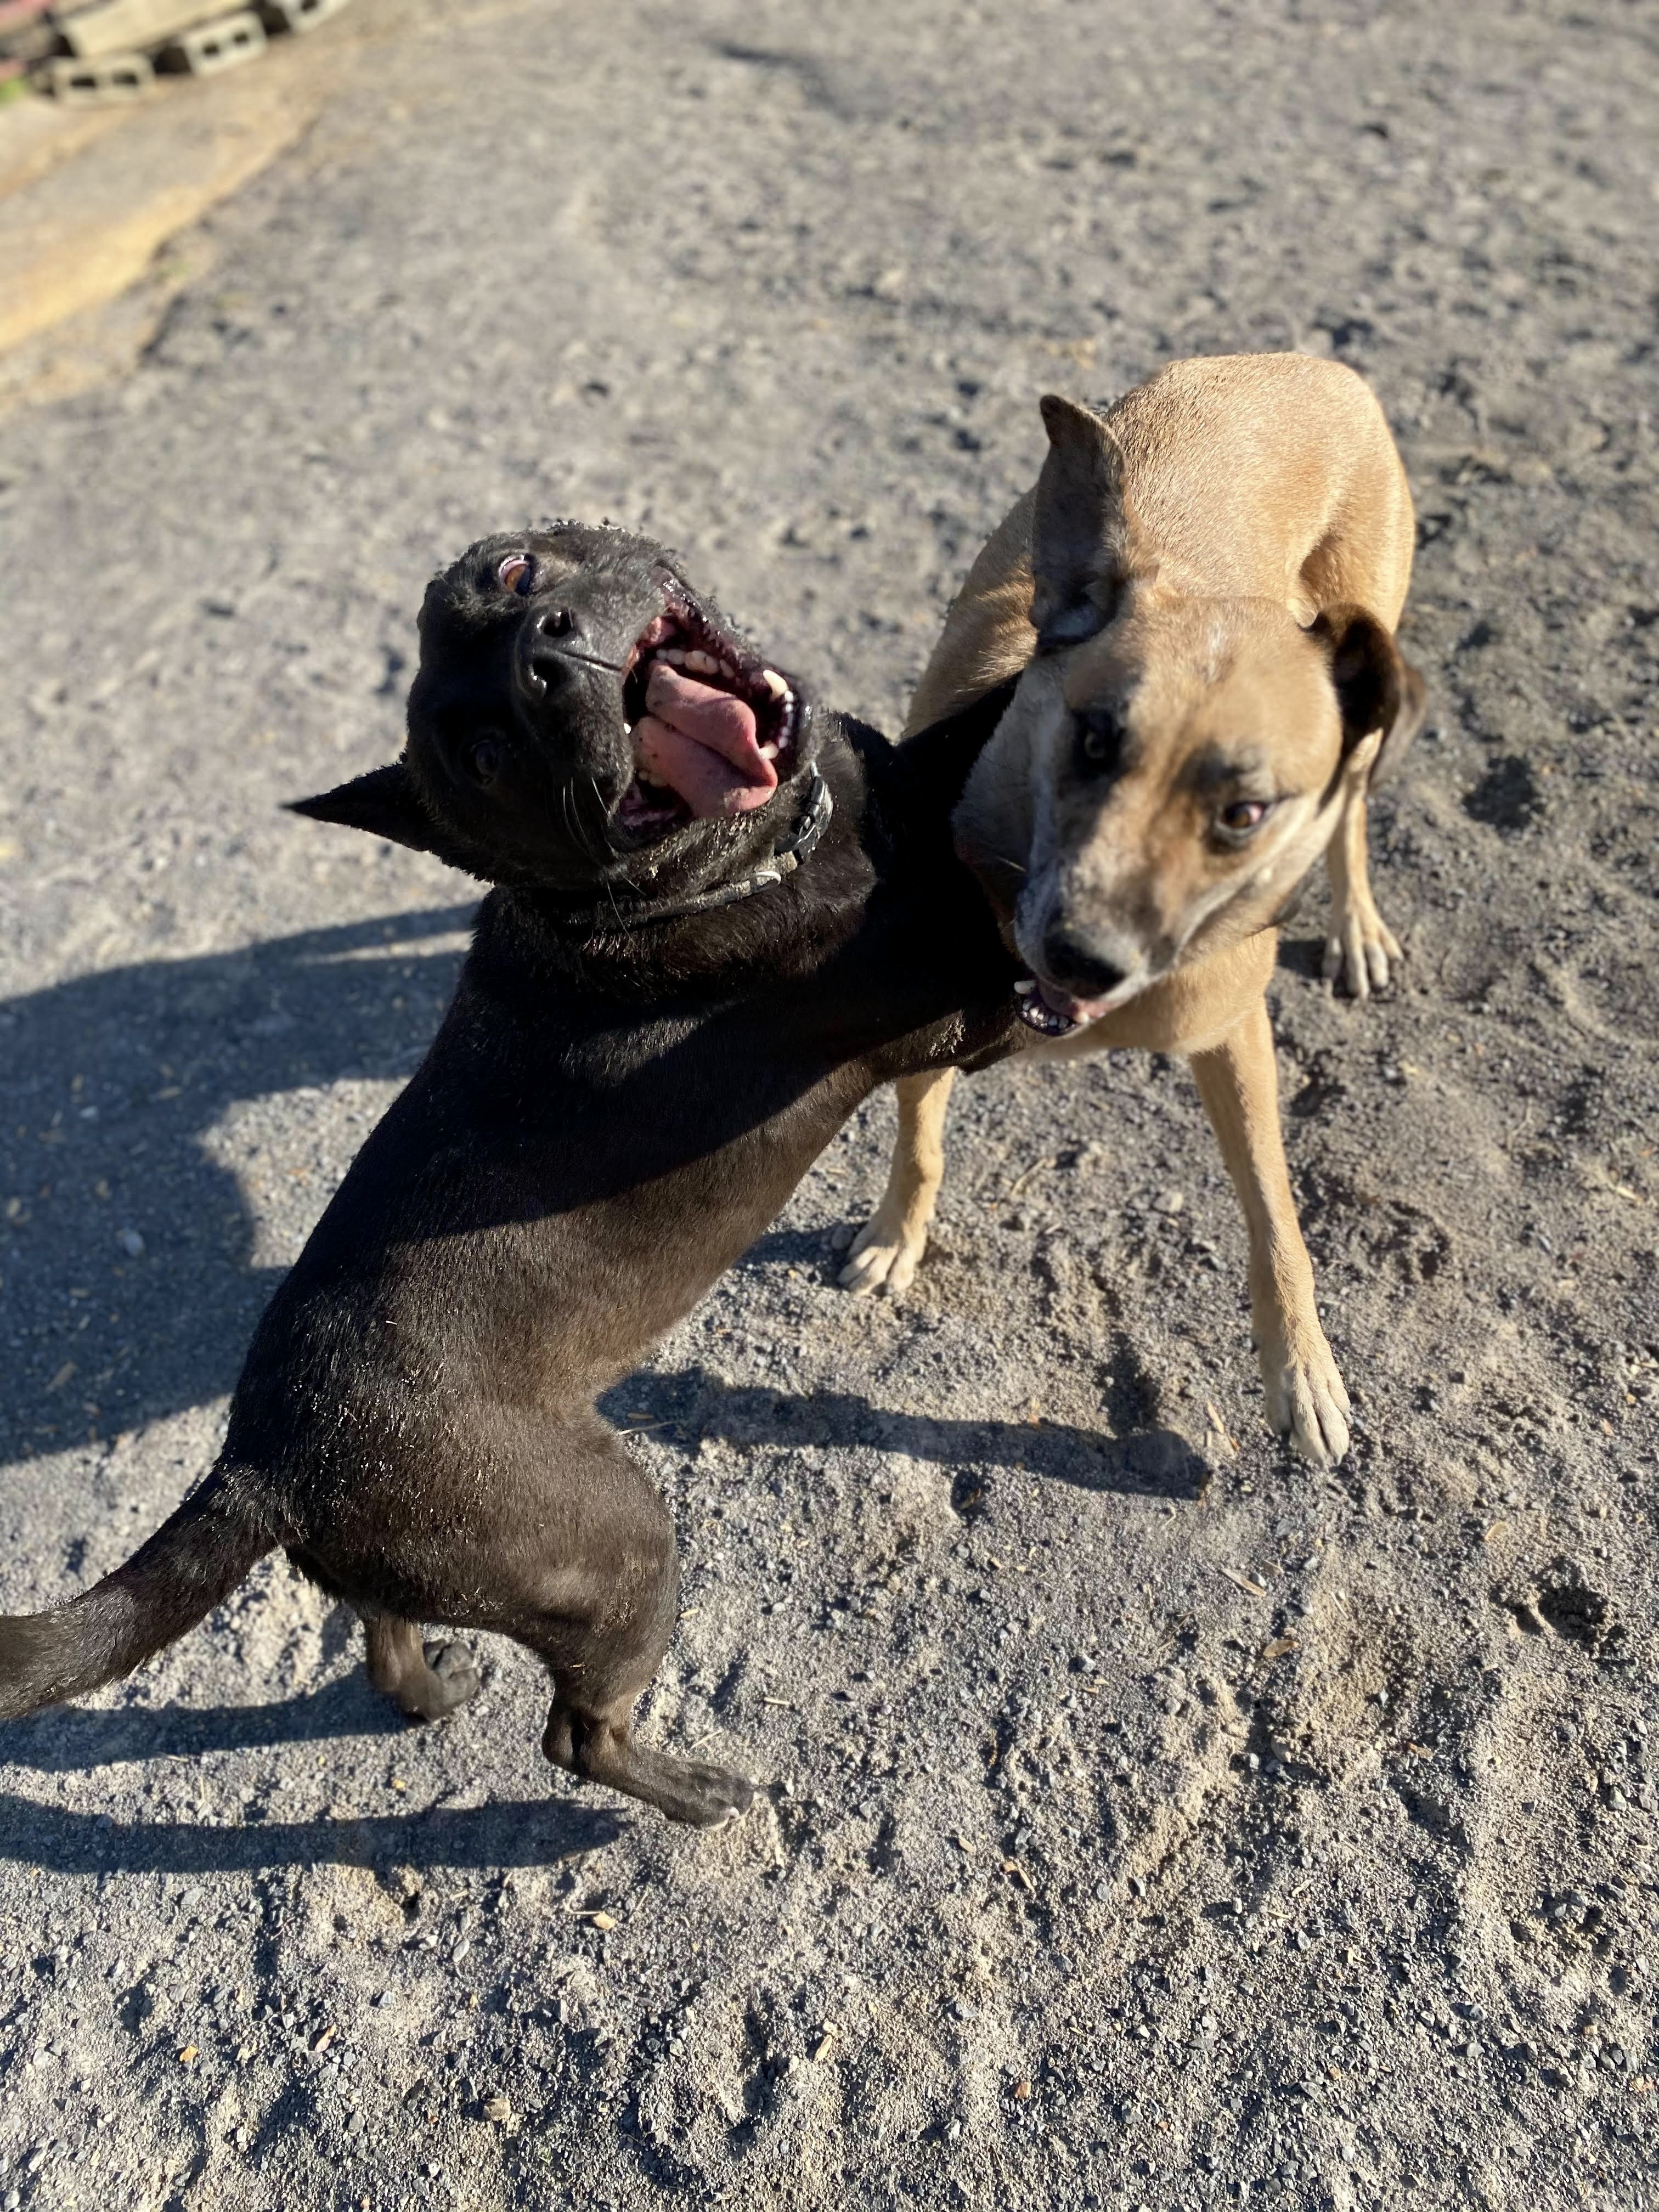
x=1359 y=951
x=1307 y=1401
x=883 y=1255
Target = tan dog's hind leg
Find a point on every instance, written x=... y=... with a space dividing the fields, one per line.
x=889 y=1247
x=1238 y=1083
x=1361 y=944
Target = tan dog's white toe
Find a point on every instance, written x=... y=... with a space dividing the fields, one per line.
x=1363 y=953
x=882 y=1258
x=1307 y=1401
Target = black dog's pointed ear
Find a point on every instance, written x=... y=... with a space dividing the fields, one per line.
x=1376 y=688
x=1077 y=527
x=384 y=802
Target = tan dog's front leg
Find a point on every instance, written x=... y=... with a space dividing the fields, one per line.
x=1361 y=944
x=1238 y=1083
x=889 y=1247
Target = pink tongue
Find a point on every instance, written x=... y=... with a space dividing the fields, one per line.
x=702 y=743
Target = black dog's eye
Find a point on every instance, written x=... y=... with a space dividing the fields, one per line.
x=1243 y=816
x=1099 y=740
x=484 y=759
x=516 y=574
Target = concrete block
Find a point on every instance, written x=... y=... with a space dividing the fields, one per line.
x=217 y=46
x=93 y=84
x=122 y=27
x=297 y=14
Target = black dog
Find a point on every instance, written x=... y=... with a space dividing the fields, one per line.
x=724 y=916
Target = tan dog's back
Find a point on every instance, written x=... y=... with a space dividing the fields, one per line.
x=1258 y=476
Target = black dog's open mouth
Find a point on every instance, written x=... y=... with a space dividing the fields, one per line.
x=715 y=729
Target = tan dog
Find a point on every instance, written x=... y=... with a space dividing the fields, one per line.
x=1199 y=598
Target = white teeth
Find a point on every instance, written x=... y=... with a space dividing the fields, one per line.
x=704 y=663
x=669 y=653
x=1026 y=986
x=774 y=684
x=769 y=751
x=728 y=672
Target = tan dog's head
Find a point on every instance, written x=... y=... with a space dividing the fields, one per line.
x=1185 y=755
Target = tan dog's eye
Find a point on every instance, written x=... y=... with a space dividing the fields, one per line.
x=515 y=572
x=1243 y=816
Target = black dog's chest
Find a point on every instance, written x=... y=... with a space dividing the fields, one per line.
x=587 y=1109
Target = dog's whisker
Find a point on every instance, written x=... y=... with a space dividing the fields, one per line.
x=601 y=845
x=570 y=801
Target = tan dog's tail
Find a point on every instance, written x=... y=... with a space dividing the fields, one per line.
x=194 y=1559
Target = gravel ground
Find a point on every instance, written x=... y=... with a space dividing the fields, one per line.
x=1150 y=1821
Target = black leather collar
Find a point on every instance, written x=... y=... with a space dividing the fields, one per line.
x=636 y=913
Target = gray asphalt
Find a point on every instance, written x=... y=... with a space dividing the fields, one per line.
x=1149 y=1821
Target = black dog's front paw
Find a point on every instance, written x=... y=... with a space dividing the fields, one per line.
x=711 y=1796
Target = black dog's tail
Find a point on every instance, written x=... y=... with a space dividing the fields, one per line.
x=193 y=1560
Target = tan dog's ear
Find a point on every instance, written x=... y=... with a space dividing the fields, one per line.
x=1375 y=688
x=1077 y=527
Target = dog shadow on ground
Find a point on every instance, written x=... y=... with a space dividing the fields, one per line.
x=72 y=1739
x=1303 y=956
x=128 y=1290
x=68 y=1739
x=682 y=1406
x=532 y=1831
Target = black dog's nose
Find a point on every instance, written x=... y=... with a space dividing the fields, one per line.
x=544 y=654
x=1075 y=967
